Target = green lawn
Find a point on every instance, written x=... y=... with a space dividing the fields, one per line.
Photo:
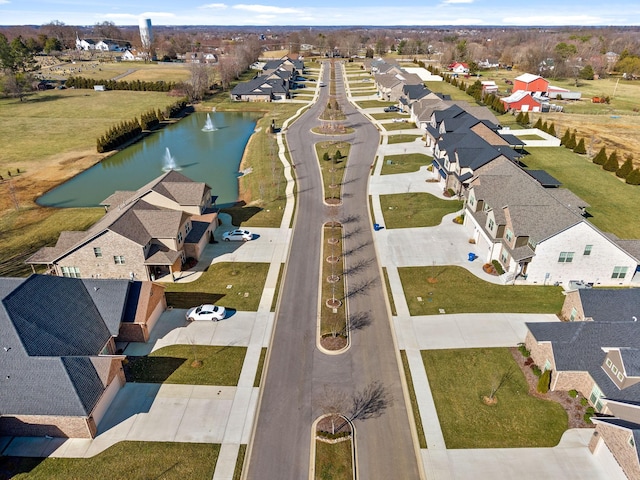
x=374 y=103
x=246 y=280
x=124 y=460
x=402 y=138
x=448 y=89
x=456 y=290
x=215 y=365
x=333 y=461
x=611 y=200
x=460 y=378
x=406 y=163
x=392 y=304
x=407 y=210
x=237 y=472
x=388 y=115
x=258 y=377
x=414 y=401
x=393 y=126
x=56 y=121
x=530 y=137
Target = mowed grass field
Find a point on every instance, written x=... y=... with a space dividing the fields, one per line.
x=169 y=72
x=56 y=121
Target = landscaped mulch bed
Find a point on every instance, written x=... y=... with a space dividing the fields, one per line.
x=333 y=343
x=575 y=411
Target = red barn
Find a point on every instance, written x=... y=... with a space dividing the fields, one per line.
x=530 y=83
x=521 y=101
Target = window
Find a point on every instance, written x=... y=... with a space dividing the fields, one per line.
x=97 y=251
x=491 y=224
x=187 y=228
x=620 y=376
x=587 y=250
x=118 y=259
x=547 y=365
x=572 y=317
x=619 y=272
x=631 y=442
x=504 y=256
x=595 y=396
x=614 y=369
x=472 y=200
x=71 y=272
x=608 y=362
x=509 y=235
x=565 y=257
x=179 y=237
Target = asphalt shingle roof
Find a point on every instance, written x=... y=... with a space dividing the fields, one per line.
x=613 y=305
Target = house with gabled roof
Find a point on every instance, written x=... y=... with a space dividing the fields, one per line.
x=521 y=101
x=145 y=235
x=58 y=362
x=540 y=235
x=595 y=304
x=529 y=82
x=599 y=358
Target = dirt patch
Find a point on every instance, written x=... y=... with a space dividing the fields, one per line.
x=575 y=410
x=333 y=343
x=333 y=422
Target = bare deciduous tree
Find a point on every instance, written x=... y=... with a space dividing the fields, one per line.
x=499 y=381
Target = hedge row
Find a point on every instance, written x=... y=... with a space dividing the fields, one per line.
x=134 y=85
x=128 y=130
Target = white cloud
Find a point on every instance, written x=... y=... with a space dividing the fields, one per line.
x=266 y=9
x=3 y=2
x=132 y=16
x=216 y=6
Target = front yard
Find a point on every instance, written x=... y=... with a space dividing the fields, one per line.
x=460 y=378
x=456 y=290
x=407 y=210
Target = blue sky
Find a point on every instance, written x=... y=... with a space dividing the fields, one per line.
x=323 y=12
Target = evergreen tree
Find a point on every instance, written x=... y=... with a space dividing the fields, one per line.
x=634 y=177
x=538 y=124
x=612 y=165
x=565 y=137
x=580 y=148
x=571 y=143
x=552 y=129
x=519 y=118
x=601 y=157
x=525 y=119
x=626 y=168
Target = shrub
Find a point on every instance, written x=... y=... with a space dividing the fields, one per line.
x=528 y=361
x=601 y=157
x=580 y=148
x=573 y=393
x=496 y=264
x=538 y=124
x=584 y=402
x=536 y=370
x=545 y=127
x=587 y=418
x=634 y=177
x=626 y=168
x=590 y=410
x=337 y=155
x=325 y=157
x=612 y=165
x=565 y=138
x=522 y=348
x=552 y=129
x=571 y=143
x=544 y=382
x=519 y=118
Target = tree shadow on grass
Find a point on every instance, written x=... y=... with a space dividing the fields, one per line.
x=240 y=212
x=192 y=299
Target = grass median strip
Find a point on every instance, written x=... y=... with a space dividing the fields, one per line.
x=456 y=290
x=333 y=461
x=131 y=460
x=414 y=401
x=188 y=365
x=333 y=156
x=459 y=379
x=406 y=210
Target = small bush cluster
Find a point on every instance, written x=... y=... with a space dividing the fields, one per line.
x=573 y=393
x=333 y=436
x=544 y=382
x=134 y=85
x=536 y=370
x=522 y=348
x=496 y=264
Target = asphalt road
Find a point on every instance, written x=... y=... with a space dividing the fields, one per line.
x=298 y=374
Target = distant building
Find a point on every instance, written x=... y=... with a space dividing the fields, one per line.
x=146 y=33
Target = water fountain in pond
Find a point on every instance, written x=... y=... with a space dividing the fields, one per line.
x=168 y=161
x=209 y=126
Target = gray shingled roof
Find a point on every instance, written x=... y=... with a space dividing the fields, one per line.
x=52 y=331
x=631 y=360
x=610 y=304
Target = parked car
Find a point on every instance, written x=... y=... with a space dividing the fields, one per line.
x=237 y=235
x=205 y=312
x=391 y=108
x=321 y=84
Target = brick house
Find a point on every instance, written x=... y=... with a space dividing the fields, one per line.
x=60 y=367
x=601 y=360
x=145 y=235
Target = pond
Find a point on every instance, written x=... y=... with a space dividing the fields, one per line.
x=204 y=147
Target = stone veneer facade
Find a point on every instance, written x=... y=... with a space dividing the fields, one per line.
x=617 y=441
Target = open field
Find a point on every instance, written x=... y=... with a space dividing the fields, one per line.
x=456 y=290
x=460 y=378
x=166 y=460
x=169 y=72
x=612 y=201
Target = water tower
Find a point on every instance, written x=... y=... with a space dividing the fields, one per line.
x=146 y=34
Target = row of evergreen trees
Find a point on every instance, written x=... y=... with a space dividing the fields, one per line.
x=128 y=130
x=134 y=85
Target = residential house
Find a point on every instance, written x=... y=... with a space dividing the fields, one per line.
x=595 y=304
x=489 y=87
x=390 y=85
x=600 y=359
x=540 y=235
x=530 y=83
x=413 y=93
x=107 y=46
x=132 y=55
x=60 y=367
x=274 y=83
x=521 y=101
x=459 y=68
x=146 y=234
x=85 y=44
x=200 y=57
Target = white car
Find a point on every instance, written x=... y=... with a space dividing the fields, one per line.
x=321 y=84
x=206 y=312
x=238 y=235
